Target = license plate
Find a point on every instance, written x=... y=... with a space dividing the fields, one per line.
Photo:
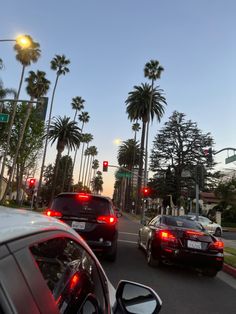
x=78 y=225
x=194 y=245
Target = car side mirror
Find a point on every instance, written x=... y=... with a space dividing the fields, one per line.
x=132 y=297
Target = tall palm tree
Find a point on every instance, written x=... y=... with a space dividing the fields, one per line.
x=67 y=134
x=37 y=86
x=135 y=127
x=97 y=183
x=138 y=103
x=152 y=71
x=25 y=56
x=95 y=166
x=77 y=105
x=84 y=118
x=92 y=152
x=86 y=139
x=60 y=65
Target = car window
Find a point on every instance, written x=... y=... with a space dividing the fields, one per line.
x=152 y=222
x=71 y=204
x=70 y=273
x=181 y=222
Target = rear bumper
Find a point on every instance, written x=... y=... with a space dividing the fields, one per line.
x=192 y=258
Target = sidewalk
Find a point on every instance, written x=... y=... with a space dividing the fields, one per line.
x=228 y=244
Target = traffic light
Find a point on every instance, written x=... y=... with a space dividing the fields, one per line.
x=31 y=183
x=105 y=165
x=209 y=155
x=146 y=191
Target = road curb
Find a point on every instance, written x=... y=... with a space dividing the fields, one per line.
x=229 y=270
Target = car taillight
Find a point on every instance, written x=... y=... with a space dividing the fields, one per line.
x=217 y=245
x=52 y=213
x=194 y=233
x=110 y=220
x=166 y=235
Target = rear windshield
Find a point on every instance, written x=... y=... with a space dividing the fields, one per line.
x=182 y=223
x=72 y=205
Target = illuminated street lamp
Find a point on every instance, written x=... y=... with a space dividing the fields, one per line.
x=22 y=40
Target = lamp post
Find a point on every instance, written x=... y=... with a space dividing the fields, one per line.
x=21 y=40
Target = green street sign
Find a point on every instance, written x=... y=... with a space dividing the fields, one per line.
x=230 y=159
x=4 y=118
x=123 y=175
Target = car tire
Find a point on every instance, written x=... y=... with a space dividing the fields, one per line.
x=210 y=272
x=218 y=232
x=111 y=255
x=150 y=259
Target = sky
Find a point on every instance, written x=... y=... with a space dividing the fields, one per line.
x=108 y=43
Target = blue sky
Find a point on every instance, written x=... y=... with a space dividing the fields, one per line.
x=108 y=43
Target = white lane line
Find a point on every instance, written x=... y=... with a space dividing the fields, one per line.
x=134 y=234
x=133 y=242
x=227 y=279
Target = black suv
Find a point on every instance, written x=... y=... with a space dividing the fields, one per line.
x=92 y=216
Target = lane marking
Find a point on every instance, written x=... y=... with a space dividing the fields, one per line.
x=126 y=241
x=134 y=234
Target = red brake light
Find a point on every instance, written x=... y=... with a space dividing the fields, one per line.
x=194 y=233
x=53 y=213
x=83 y=196
x=217 y=245
x=74 y=281
x=110 y=220
x=166 y=235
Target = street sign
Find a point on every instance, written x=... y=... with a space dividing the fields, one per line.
x=4 y=117
x=123 y=175
x=230 y=159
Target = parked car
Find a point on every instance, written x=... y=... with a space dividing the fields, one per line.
x=172 y=239
x=47 y=268
x=92 y=216
x=208 y=224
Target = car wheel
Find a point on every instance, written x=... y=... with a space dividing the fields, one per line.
x=210 y=272
x=111 y=255
x=150 y=259
x=218 y=232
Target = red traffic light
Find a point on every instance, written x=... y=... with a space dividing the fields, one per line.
x=146 y=191
x=105 y=165
x=31 y=183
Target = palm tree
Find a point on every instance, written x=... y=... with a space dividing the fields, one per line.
x=77 y=105
x=136 y=127
x=92 y=153
x=84 y=118
x=95 y=166
x=138 y=103
x=126 y=153
x=37 y=86
x=86 y=139
x=97 y=183
x=67 y=134
x=152 y=71
x=58 y=64
x=25 y=56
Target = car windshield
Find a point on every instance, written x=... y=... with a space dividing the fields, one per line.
x=182 y=223
x=71 y=204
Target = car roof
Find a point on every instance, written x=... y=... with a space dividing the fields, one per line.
x=93 y=195
x=15 y=223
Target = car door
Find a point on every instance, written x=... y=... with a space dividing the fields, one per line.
x=147 y=230
x=59 y=267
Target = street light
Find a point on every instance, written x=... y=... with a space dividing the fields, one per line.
x=22 y=40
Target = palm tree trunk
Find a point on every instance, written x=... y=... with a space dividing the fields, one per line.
x=22 y=133
x=10 y=128
x=46 y=142
x=90 y=170
x=140 y=170
x=54 y=181
x=147 y=135
x=86 y=172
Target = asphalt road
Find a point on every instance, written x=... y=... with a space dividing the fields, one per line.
x=229 y=235
x=181 y=290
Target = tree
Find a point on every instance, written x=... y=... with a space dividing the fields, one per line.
x=138 y=103
x=92 y=153
x=37 y=86
x=178 y=146
x=95 y=166
x=86 y=139
x=60 y=65
x=136 y=127
x=152 y=71
x=25 y=56
x=67 y=134
x=97 y=183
